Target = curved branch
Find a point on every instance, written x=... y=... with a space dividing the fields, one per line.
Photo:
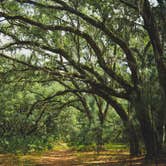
x=130 y=58
x=85 y=36
x=79 y=66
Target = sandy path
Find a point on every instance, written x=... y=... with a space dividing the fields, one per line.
x=70 y=158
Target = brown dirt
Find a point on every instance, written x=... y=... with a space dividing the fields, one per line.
x=71 y=158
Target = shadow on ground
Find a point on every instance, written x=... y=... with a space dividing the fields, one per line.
x=71 y=158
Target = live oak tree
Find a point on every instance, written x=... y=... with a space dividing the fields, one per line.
x=104 y=46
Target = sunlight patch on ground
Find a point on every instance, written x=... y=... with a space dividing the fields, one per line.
x=71 y=158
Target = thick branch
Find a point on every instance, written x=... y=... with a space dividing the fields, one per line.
x=89 y=40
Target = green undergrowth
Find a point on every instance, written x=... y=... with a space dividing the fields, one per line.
x=114 y=146
x=28 y=145
x=94 y=147
x=22 y=145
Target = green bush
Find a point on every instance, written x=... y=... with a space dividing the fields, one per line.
x=17 y=144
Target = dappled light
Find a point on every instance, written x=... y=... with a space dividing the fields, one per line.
x=70 y=158
x=83 y=82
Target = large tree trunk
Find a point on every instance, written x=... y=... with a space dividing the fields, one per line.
x=160 y=127
x=148 y=131
x=154 y=35
x=99 y=139
x=133 y=139
x=150 y=139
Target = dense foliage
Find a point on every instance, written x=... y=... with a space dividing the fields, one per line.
x=84 y=72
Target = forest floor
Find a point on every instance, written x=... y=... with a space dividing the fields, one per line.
x=72 y=158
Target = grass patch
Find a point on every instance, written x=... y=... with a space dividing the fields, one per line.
x=115 y=146
x=60 y=146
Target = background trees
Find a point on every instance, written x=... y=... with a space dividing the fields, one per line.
x=109 y=49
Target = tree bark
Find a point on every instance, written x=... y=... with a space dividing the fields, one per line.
x=99 y=138
x=133 y=140
x=149 y=134
x=154 y=35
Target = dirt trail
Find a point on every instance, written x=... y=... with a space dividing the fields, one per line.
x=70 y=158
